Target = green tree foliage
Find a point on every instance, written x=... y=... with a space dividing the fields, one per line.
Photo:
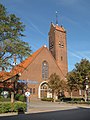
x=72 y=82
x=82 y=70
x=77 y=77
x=11 y=32
x=56 y=84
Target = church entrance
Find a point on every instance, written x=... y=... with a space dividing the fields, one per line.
x=44 y=90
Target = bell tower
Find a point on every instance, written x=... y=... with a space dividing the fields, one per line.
x=58 y=46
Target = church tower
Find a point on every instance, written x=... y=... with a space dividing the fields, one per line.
x=58 y=46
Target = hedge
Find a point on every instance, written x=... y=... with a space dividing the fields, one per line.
x=78 y=102
x=66 y=99
x=47 y=99
x=17 y=96
x=2 y=99
x=12 y=107
x=20 y=97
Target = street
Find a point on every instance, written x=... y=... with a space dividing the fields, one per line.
x=72 y=114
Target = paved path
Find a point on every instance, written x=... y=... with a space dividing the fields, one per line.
x=42 y=106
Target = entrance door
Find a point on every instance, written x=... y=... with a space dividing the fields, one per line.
x=44 y=90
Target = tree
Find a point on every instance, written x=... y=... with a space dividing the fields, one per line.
x=11 y=32
x=72 y=84
x=83 y=68
x=77 y=77
x=56 y=84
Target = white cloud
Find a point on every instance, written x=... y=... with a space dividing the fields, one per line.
x=84 y=54
x=74 y=54
x=80 y=54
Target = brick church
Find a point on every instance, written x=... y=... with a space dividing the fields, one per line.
x=37 y=68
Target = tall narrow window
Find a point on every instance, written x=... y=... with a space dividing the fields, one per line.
x=44 y=70
x=33 y=90
x=30 y=90
x=61 y=58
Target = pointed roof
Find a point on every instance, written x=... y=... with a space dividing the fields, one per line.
x=4 y=75
x=18 y=69
x=59 y=28
x=24 y=64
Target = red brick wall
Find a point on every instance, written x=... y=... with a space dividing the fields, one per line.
x=60 y=54
x=34 y=70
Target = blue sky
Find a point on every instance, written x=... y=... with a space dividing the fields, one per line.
x=37 y=15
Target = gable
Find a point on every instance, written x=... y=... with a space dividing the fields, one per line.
x=33 y=65
x=34 y=69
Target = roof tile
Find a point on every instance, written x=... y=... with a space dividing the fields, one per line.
x=20 y=67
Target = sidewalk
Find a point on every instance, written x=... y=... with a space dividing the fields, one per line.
x=50 y=106
x=37 y=107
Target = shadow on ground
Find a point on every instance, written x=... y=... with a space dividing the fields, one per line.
x=72 y=114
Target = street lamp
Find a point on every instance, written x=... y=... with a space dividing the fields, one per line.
x=86 y=89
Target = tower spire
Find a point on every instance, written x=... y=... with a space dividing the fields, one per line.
x=56 y=18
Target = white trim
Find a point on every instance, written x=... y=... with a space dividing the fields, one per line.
x=39 y=95
x=80 y=92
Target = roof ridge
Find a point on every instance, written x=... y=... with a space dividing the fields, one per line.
x=24 y=64
x=35 y=53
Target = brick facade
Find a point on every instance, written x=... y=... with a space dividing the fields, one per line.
x=56 y=58
x=34 y=71
x=38 y=67
x=58 y=46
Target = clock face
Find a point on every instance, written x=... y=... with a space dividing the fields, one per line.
x=61 y=44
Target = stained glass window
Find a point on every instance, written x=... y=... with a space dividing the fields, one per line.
x=44 y=70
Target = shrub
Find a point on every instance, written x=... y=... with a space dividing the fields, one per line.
x=78 y=102
x=2 y=99
x=66 y=99
x=22 y=98
x=5 y=107
x=9 y=107
x=77 y=99
x=19 y=105
x=17 y=96
x=47 y=99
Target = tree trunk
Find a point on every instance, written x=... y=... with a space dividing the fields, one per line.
x=12 y=97
x=85 y=93
x=71 y=94
x=54 y=97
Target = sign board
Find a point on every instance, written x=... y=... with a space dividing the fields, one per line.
x=27 y=94
x=28 y=81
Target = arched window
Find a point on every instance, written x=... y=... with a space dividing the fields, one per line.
x=44 y=70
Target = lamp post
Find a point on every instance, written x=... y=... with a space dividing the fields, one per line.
x=86 y=89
